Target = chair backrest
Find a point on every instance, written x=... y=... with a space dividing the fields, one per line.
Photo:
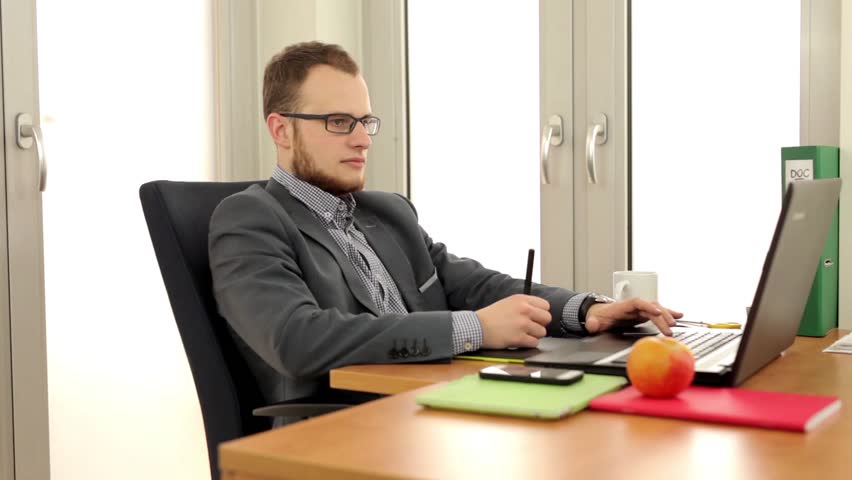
x=178 y=217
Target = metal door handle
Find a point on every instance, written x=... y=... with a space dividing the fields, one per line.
x=596 y=135
x=551 y=135
x=27 y=133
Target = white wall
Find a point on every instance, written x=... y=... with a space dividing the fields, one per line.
x=125 y=93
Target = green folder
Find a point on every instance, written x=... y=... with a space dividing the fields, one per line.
x=499 y=397
x=808 y=163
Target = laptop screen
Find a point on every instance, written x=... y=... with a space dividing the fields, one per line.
x=807 y=213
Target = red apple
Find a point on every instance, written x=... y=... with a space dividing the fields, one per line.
x=660 y=366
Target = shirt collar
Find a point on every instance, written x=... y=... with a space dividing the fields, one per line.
x=337 y=210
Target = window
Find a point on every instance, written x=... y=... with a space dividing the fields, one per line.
x=713 y=101
x=125 y=99
x=474 y=127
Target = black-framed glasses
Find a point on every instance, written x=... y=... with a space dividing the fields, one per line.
x=341 y=123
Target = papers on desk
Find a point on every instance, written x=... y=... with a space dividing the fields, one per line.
x=844 y=345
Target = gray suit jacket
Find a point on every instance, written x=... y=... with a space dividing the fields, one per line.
x=298 y=308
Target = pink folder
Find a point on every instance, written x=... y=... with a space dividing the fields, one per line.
x=785 y=411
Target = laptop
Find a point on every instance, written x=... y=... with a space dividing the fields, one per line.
x=725 y=357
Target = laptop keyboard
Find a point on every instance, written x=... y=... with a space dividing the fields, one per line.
x=701 y=342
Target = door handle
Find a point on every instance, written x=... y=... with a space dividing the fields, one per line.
x=26 y=135
x=596 y=135
x=550 y=135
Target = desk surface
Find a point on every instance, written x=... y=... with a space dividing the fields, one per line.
x=395 y=438
x=398 y=378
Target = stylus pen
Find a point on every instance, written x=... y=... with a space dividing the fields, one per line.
x=528 y=280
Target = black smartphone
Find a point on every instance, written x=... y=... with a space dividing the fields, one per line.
x=523 y=373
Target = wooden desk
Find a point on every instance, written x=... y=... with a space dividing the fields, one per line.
x=398 y=378
x=394 y=438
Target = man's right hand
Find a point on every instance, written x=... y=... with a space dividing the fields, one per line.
x=516 y=321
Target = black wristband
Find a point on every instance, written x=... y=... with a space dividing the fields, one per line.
x=583 y=310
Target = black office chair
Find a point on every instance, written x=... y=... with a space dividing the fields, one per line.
x=232 y=406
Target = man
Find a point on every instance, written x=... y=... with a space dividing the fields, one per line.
x=313 y=273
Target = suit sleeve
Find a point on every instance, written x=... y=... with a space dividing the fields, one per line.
x=260 y=291
x=471 y=286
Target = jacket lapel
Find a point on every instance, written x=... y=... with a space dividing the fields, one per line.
x=311 y=226
x=392 y=257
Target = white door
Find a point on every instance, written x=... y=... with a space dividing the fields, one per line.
x=584 y=170
x=678 y=180
x=601 y=128
x=705 y=193
x=23 y=362
x=556 y=152
x=498 y=127
x=584 y=174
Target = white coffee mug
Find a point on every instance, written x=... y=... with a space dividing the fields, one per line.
x=630 y=284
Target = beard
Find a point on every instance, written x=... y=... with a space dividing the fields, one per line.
x=305 y=168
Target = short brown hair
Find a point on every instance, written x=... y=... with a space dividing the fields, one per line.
x=287 y=70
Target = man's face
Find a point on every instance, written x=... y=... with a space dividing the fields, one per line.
x=333 y=162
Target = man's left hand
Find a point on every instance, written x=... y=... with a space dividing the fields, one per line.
x=603 y=316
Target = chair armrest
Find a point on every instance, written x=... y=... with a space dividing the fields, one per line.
x=301 y=408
